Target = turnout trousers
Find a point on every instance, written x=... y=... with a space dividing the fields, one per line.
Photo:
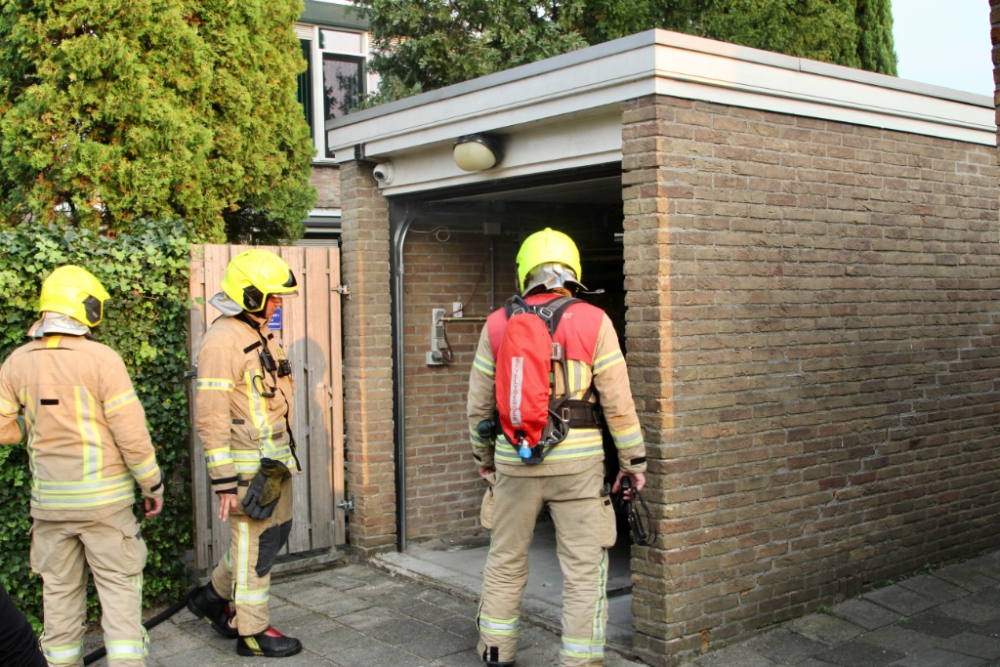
x=585 y=529
x=116 y=554
x=243 y=575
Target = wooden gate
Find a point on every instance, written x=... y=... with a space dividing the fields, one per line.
x=310 y=335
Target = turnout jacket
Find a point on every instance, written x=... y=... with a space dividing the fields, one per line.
x=593 y=357
x=86 y=429
x=236 y=422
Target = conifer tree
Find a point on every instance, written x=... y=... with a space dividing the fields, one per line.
x=817 y=29
x=263 y=149
x=875 y=45
x=117 y=110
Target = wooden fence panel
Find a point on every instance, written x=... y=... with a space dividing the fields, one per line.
x=216 y=260
x=310 y=334
x=336 y=393
x=318 y=382
x=293 y=329
x=199 y=481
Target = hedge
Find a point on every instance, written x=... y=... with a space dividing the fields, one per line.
x=146 y=274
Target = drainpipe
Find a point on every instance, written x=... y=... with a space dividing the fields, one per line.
x=399 y=233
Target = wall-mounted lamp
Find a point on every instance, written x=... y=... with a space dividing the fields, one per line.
x=476 y=152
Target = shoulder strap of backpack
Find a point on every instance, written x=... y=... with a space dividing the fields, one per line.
x=551 y=313
x=515 y=305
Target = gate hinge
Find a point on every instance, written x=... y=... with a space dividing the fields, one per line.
x=344 y=290
x=347 y=505
x=190 y=373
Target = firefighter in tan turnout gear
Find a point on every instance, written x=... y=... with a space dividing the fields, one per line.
x=72 y=398
x=244 y=417
x=570 y=477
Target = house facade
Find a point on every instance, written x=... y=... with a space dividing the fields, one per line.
x=335 y=44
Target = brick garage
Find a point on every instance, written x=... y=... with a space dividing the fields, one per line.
x=811 y=264
x=813 y=338
x=368 y=386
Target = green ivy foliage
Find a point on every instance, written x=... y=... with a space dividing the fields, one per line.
x=146 y=273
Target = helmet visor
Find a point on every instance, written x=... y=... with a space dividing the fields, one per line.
x=94 y=309
x=291 y=284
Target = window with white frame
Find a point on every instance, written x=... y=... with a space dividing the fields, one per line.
x=336 y=79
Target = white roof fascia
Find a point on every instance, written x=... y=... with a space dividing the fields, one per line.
x=588 y=86
x=574 y=142
x=598 y=78
x=713 y=78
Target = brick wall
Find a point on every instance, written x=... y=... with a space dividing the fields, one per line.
x=368 y=361
x=443 y=489
x=812 y=338
x=995 y=36
x=326 y=180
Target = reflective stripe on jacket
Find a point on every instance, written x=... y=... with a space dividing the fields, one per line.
x=236 y=422
x=605 y=370
x=87 y=438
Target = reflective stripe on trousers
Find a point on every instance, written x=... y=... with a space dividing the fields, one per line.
x=582 y=648
x=499 y=627
x=243 y=594
x=63 y=654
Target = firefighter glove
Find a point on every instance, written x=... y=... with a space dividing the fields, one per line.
x=265 y=489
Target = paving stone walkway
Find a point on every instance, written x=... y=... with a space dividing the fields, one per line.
x=352 y=616
x=356 y=616
x=948 y=618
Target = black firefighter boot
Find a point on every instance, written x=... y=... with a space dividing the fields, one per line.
x=492 y=659
x=268 y=644
x=209 y=605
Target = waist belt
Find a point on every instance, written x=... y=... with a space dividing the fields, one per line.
x=580 y=414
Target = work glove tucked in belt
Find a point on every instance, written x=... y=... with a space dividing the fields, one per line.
x=265 y=489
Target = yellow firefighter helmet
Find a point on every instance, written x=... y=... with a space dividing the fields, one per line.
x=74 y=291
x=256 y=274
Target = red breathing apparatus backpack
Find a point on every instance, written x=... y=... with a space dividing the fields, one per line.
x=529 y=414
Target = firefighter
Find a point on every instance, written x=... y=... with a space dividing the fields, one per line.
x=72 y=398
x=244 y=418
x=18 y=643
x=570 y=478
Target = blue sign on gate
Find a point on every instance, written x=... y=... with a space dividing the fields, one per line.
x=275 y=321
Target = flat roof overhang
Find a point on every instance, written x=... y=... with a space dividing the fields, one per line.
x=565 y=112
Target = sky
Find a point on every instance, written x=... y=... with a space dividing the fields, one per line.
x=944 y=42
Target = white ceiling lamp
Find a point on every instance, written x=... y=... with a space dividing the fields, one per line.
x=476 y=152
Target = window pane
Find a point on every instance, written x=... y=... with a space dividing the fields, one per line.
x=344 y=42
x=304 y=80
x=342 y=85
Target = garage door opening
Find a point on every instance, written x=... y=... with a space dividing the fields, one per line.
x=453 y=265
